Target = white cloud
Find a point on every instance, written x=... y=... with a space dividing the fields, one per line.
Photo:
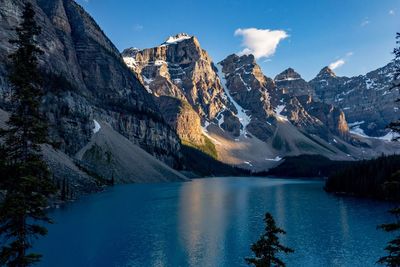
x=260 y=42
x=337 y=64
x=391 y=12
x=341 y=61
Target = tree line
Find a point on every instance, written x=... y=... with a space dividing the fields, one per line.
x=377 y=178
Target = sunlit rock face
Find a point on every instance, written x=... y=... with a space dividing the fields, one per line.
x=179 y=68
x=85 y=78
x=287 y=96
x=365 y=99
x=292 y=83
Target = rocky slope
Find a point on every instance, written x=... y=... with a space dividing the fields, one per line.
x=366 y=99
x=236 y=103
x=185 y=83
x=85 y=78
x=287 y=97
x=307 y=111
x=180 y=68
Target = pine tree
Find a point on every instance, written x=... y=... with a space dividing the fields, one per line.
x=395 y=125
x=268 y=246
x=393 y=247
x=27 y=182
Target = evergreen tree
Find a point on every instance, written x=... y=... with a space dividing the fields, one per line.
x=393 y=247
x=395 y=125
x=268 y=246
x=27 y=182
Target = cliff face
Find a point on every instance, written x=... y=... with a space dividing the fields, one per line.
x=179 y=68
x=186 y=86
x=366 y=99
x=307 y=110
x=85 y=78
x=288 y=96
x=234 y=99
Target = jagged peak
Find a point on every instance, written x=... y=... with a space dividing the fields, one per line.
x=326 y=72
x=288 y=75
x=129 y=52
x=239 y=60
x=177 y=38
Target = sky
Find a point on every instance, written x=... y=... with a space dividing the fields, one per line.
x=351 y=36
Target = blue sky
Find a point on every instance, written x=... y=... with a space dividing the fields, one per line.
x=357 y=35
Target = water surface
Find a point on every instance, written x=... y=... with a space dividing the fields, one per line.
x=212 y=222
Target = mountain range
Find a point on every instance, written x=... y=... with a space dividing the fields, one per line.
x=128 y=115
x=254 y=121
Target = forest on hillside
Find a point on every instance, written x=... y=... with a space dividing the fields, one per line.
x=376 y=178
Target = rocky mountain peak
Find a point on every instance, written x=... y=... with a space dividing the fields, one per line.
x=132 y=51
x=180 y=68
x=366 y=99
x=287 y=75
x=290 y=82
x=326 y=72
x=178 y=38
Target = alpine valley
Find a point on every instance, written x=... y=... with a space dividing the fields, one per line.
x=137 y=116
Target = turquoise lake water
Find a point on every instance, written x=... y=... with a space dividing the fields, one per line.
x=212 y=222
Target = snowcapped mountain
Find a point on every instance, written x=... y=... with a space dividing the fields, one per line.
x=233 y=104
x=366 y=99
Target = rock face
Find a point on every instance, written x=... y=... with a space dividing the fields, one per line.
x=234 y=94
x=366 y=99
x=288 y=96
x=292 y=83
x=182 y=69
x=307 y=111
x=186 y=86
x=86 y=77
x=250 y=91
x=181 y=116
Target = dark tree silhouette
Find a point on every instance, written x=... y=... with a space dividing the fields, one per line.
x=267 y=248
x=25 y=182
x=393 y=247
x=395 y=125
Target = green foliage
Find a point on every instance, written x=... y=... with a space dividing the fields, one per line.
x=25 y=178
x=207 y=148
x=368 y=178
x=204 y=165
x=267 y=248
x=393 y=247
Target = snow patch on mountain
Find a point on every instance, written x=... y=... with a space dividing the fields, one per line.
x=278 y=111
x=97 y=127
x=277 y=158
x=242 y=116
x=356 y=130
x=177 y=38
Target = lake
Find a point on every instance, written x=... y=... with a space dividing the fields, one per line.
x=212 y=222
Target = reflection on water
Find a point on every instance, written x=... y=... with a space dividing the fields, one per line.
x=212 y=222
